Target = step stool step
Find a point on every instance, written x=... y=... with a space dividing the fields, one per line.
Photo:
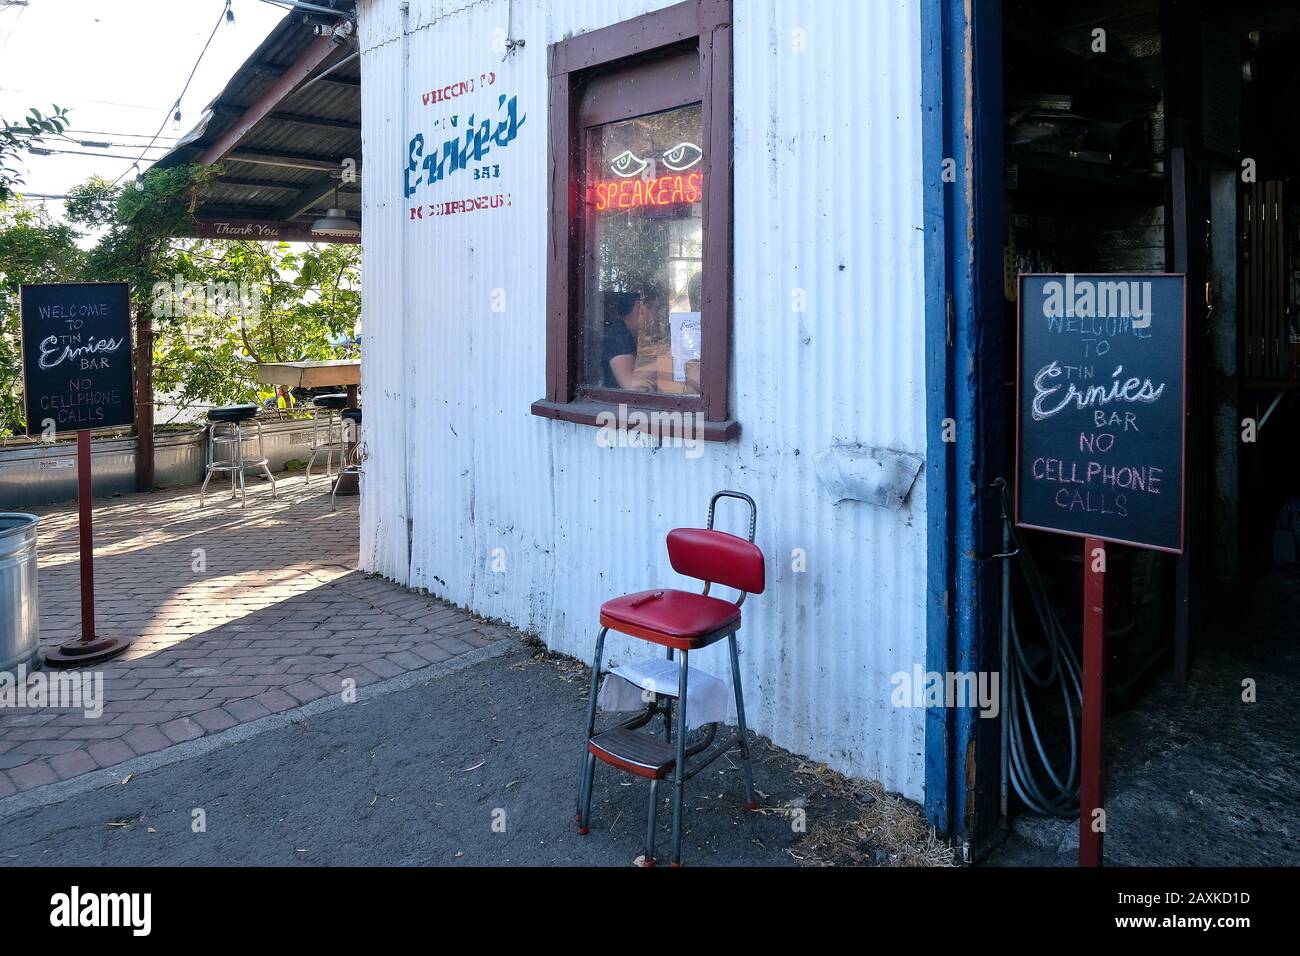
x=640 y=754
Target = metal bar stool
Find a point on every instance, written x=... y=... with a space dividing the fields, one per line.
x=680 y=621
x=226 y=432
x=325 y=409
x=351 y=464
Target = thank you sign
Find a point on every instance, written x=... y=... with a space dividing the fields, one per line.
x=1100 y=408
x=77 y=355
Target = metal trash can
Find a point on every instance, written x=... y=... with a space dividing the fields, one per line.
x=20 y=641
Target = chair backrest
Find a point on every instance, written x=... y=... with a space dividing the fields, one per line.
x=717 y=557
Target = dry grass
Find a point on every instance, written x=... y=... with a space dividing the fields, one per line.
x=888 y=830
x=879 y=829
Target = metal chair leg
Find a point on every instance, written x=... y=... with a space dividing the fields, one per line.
x=587 y=770
x=334 y=490
x=234 y=479
x=651 y=814
x=315 y=444
x=751 y=803
x=239 y=464
x=679 y=777
x=261 y=456
x=329 y=447
x=668 y=711
x=588 y=781
x=267 y=468
x=208 y=477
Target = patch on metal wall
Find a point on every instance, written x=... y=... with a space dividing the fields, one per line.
x=878 y=476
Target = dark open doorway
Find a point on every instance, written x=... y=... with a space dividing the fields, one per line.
x=1163 y=136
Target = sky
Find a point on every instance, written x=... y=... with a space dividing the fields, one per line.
x=118 y=66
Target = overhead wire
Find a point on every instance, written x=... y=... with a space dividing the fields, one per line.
x=175 y=110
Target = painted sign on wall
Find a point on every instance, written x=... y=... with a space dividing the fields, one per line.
x=1100 y=407
x=76 y=341
x=463 y=147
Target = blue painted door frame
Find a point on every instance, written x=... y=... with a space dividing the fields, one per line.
x=961 y=83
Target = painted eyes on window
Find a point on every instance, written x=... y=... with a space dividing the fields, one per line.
x=627 y=164
x=683 y=156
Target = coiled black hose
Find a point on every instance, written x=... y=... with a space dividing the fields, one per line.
x=1029 y=757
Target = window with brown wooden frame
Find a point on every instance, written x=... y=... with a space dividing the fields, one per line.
x=639 y=271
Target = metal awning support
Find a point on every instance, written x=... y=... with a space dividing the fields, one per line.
x=259 y=157
x=307 y=197
x=320 y=50
x=286 y=130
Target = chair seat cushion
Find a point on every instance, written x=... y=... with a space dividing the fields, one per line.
x=679 y=619
x=232 y=413
x=332 y=402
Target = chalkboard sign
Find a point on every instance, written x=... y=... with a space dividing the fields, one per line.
x=1099 y=425
x=77 y=355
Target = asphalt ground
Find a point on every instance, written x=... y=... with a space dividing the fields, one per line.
x=475 y=766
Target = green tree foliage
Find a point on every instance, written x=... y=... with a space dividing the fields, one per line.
x=217 y=307
x=138 y=222
x=17 y=137
x=265 y=302
x=32 y=249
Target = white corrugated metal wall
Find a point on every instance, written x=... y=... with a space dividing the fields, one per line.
x=827 y=208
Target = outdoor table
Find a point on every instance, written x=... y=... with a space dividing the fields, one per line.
x=336 y=373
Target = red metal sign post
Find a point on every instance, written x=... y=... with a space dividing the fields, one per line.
x=1091 y=792
x=89 y=649
x=87 y=537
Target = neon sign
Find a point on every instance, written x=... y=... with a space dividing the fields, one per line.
x=633 y=193
x=683 y=156
x=679 y=159
x=628 y=164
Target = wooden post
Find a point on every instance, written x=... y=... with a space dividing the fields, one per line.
x=87 y=536
x=1091 y=797
x=144 y=461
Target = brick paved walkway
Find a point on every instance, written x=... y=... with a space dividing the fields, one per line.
x=236 y=614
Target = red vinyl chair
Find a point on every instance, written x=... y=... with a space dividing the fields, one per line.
x=681 y=621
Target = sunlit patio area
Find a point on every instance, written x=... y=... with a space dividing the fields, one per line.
x=236 y=614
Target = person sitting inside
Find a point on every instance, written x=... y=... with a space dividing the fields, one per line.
x=626 y=314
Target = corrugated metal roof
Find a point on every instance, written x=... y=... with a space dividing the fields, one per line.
x=318 y=125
